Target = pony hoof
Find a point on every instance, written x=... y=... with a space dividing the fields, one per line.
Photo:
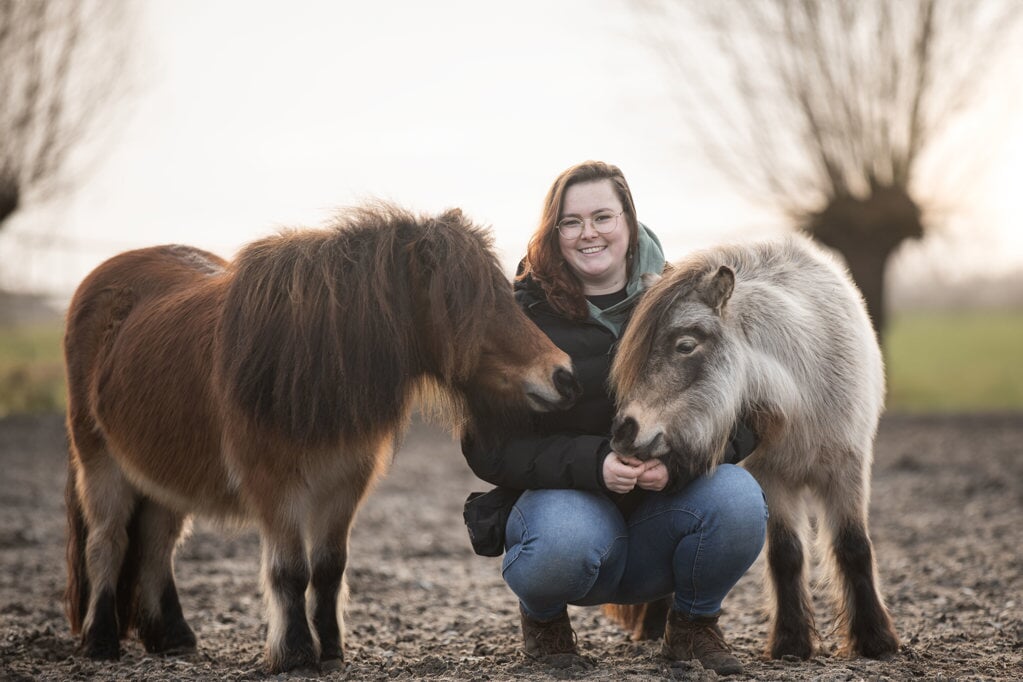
x=101 y=651
x=332 y=665
x=791 y=650
x=304 y=665
x=178 y=644
x=882 y=648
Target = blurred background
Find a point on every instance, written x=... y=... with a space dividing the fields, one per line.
x=890 y=131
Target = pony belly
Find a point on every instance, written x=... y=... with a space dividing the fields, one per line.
x=199 y=491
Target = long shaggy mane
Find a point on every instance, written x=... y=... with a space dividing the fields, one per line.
x=325 y=334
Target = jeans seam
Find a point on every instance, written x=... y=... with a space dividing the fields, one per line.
x=673 y=510
x=610 y=546
x=696 y=563
x=525 y=533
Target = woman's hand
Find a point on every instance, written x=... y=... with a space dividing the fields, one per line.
x=621 y=473
x=654 y=476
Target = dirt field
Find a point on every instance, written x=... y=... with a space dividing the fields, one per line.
x=946 y=522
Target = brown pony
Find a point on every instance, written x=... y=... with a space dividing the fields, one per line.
x=273 y=388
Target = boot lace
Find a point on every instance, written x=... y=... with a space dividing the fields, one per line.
x=712 y=641
x=556 y=637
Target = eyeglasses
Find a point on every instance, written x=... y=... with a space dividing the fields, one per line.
x=602 y=221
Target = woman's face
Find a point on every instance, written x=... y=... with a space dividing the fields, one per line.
x=597 y=259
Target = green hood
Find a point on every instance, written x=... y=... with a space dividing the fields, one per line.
x=649 y=258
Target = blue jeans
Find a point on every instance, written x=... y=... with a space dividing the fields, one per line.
x=575 y=547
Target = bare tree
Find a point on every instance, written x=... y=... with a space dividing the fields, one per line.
x=61 y=62
x=824 y=108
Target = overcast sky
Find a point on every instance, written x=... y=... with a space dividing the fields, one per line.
x=249 y=116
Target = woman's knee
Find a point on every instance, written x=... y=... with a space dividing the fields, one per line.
x=572 y=524
x=730 y=501
x=558 y=540
x=739 y=507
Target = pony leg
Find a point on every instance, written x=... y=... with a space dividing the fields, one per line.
x=861 y=612
x=333 y=507
x=327 y=595
x=793 y=632
x=107 y=501
x=159 y=620
x=289 y=642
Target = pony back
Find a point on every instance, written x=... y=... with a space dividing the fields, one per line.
x=315 y=341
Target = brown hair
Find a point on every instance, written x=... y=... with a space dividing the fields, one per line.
x=544 y=261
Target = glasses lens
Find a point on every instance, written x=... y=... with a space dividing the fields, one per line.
x=605 y=222
x=570 y=227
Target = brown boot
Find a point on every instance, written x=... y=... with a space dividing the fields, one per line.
x=552 y=641
x=699 y=637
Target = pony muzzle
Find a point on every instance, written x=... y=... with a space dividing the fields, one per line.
x=561 y=393
x=567 y=385
x=627 y=438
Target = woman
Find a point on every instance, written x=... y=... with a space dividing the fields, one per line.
x=593 y=527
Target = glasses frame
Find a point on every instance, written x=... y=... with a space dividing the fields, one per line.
x=592 y=219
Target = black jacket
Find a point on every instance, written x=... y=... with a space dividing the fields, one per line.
x=564 y=449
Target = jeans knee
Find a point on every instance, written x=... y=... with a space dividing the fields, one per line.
x=571 y=548
x=556 y=557
x=741 y=509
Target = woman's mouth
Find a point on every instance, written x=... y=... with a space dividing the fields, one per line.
x=591 y=250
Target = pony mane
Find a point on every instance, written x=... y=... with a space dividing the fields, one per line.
x=640 y=334
x=328 y=333
x=678 y=282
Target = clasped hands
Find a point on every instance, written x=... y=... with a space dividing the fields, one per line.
x=622 y=474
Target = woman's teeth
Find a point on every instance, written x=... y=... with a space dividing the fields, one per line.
x=592 y=249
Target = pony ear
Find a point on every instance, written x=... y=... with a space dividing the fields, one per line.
x=719 y=288
x=649 y=279
x=452 y=215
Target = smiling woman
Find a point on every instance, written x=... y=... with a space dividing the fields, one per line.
x=589 y=237
x=578 y=523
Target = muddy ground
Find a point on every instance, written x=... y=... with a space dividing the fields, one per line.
x=946 y=522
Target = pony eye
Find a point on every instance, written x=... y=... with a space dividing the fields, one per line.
x=685 y=345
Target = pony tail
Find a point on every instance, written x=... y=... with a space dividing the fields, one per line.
x=642 y=621
x=76 y=594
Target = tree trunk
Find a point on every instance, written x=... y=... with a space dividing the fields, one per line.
x=867 y=267
x=9 y=198
x=866 y=232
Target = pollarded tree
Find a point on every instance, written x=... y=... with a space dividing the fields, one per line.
x=61 y=62
x=824 y=108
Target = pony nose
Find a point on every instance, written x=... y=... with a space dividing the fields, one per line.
x=624 y=431
x=568 y=387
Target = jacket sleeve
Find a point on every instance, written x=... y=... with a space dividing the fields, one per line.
x=529 y=462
